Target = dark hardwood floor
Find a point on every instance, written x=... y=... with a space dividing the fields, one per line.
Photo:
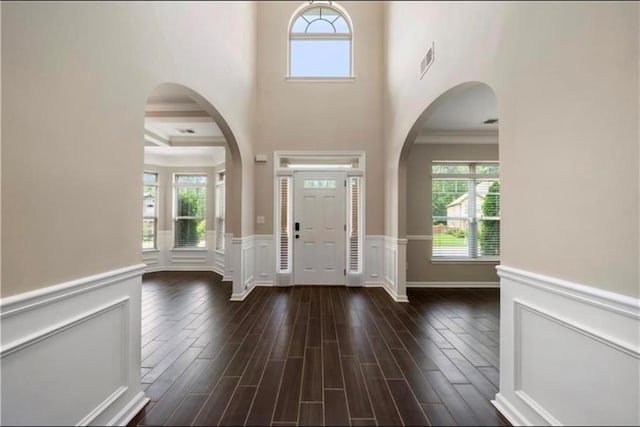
x=316 y=355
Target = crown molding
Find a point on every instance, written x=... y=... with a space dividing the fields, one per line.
x=458 y=137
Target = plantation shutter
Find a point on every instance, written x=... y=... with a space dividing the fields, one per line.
x=354 y=224
x=220 y=209
x=284 y=183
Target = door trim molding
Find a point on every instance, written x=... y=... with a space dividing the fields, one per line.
x=319 y=158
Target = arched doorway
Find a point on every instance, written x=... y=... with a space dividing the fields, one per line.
x=193 y=181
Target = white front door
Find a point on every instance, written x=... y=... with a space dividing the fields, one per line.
x=319 y=215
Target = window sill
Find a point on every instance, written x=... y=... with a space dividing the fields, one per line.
x=465 y=261
x=319 y=79
x=144 y=251
x=189 y=249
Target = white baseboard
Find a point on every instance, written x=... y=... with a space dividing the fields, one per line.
x=242 y=295
x=569 y=353
x=264 y=284
x=508 y=411
x=130 y=411
x=78 y=343
x=453 y=284
x=181 y=268
x=392 y=294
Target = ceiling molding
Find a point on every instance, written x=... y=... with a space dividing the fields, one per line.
x=458 y=137
x=172 y=106
x=155 y=139
x=198 y=141
x=172 y=116
x=157 y=159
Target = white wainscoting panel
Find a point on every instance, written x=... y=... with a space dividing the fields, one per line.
x=569 y=353
x=218 y=262
x=242 y=260
x=265 y=263
x=374 y=260
x=228 y=263
x=71 y=353
x=165 y=258
x=393 y=278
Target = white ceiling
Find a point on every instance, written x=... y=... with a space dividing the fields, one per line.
x=169 y=129
x=464 y=110
x=168 y=109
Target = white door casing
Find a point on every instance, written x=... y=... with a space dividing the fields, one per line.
x=320 y=209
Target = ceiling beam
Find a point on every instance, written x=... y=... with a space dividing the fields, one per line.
x=177 y=116
x=155 y=139
x=198 y=141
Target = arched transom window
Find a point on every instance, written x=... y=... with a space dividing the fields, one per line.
x=320 y=42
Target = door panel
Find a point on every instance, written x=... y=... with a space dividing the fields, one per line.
x=320 y=208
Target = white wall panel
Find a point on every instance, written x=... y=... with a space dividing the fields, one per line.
x=72 y=352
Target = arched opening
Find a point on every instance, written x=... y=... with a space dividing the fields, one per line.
x=451 y=189
x=192 y=164
x=449 y=218
x=448 y=187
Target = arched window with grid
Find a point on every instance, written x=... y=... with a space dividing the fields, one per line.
x=320 y=42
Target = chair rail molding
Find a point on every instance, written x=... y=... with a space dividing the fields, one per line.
x=569 y=353
x=79 y=344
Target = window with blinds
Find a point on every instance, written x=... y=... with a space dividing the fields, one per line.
x=220 y=206
x=150 y=210
x=190 y=196
x=284 y=224
x=353 y=255
x=465 y=201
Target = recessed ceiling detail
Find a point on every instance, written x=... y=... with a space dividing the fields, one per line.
x=189 y=130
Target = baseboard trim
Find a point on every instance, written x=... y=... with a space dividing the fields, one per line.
x=391 y=293
x=453 y=284
x=130 y=411
x=242 y=296
x=509 y=412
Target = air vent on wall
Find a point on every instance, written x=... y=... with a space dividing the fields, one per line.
x=185 y=130
x=426 y=61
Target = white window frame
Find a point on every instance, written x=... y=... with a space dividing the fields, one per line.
x=176 y=186
x=220 y=194
x=321 y=36
x=472 y=219
x=155 y=217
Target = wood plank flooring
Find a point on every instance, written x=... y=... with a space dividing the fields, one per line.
x=316 y=355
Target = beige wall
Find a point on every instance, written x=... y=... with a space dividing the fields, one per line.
x=75 y=79
x=420 y=267
x=334 y=116
x=566 y=81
